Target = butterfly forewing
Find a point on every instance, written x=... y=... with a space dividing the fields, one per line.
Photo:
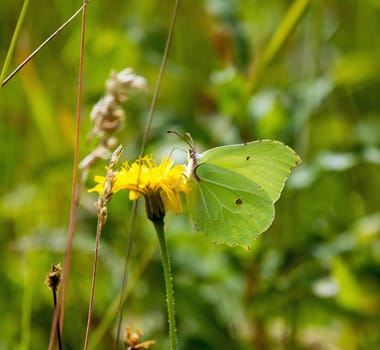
x=265 y=162
x=228 y=207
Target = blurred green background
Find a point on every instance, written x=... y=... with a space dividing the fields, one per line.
x=237 y=71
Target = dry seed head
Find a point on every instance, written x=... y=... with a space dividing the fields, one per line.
x=53 y=278
x=106 y=196
x=115 y=157
x=107 y=116
x=119 y=83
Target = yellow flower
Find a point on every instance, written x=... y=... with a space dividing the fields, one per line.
x=156 y=183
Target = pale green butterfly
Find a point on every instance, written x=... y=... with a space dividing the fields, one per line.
x=233 y=188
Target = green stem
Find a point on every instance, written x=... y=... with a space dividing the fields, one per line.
x=159 y=226
x=15 y=36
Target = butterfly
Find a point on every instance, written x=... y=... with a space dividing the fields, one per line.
x=233 y=188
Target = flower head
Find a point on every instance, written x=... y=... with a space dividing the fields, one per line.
x=159 y=184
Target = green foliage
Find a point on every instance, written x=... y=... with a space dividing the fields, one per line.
x=311 y=281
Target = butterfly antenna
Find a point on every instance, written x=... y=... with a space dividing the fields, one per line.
x=190 y=141
x=186 y=137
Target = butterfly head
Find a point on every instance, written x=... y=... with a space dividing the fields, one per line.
x=193 y=154
x=192 y=164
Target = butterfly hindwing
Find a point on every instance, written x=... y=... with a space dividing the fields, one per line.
x=228 y=207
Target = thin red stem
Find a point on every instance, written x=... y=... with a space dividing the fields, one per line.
x=75 y=191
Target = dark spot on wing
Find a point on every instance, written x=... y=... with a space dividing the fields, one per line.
x=239 y=201
x=248 y=158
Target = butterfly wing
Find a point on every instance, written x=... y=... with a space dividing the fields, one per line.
x=266 y=162
x=228 y=207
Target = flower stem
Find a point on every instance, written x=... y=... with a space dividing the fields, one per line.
x=159 y=226
x=58 y=327
x=94 y=271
